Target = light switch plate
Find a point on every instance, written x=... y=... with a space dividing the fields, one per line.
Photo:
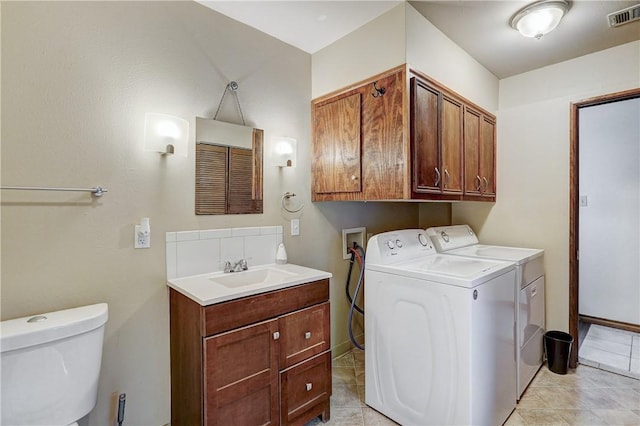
x=295 y=226
x=583 y=201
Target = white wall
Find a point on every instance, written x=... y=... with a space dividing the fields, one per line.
x=609 y=223
x=532 y=207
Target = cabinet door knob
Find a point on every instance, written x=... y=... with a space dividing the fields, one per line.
x=276 y=335
x=479 y=187
x=446 y=178
x=486 y=183
x=309 y=386
x=437 y=182
x=353 y=177
x=307 y=335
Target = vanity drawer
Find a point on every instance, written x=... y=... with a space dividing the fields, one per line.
x=305 y=387
x=304 y=333
x=225 y=316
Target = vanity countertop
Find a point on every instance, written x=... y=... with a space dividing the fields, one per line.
x=207 y=289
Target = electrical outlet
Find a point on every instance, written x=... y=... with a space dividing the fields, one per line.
x=141 y=239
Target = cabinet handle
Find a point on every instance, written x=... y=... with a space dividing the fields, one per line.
x=479 y=187
x=307 y=335
x=437 y=177
x=353 y=177
x=446 y=178
x=309 y=386
x=486 y=184
x=276 y=335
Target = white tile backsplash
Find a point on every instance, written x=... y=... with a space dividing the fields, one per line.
x=231 y=249
x=205 y=251
x=215 y=233
x=172 y=256
x=197 y=257
x=244 y=232
x=188 y=236
x=268 y=230
x=260 y=249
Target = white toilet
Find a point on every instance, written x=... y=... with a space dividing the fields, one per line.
x=50 y=366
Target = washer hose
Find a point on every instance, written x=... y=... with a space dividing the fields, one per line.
x=347 y=287
x=358 y=252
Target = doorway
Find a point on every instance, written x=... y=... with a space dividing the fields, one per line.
x=579 y=324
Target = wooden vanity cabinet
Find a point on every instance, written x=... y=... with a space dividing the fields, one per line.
x=259 y=360
x=359 y=148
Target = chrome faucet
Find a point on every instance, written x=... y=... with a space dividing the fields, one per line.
x=240 y=265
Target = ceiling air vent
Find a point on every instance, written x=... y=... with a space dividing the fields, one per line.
x=624 y=16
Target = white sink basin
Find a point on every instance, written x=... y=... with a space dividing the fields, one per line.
x=207 y=289
x=265 y=276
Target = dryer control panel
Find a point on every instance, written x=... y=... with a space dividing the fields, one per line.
x=447 y=238
x=398 y=246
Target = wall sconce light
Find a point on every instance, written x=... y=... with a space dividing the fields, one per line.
x=283 y=152
x=539 y=18
x=165 y=134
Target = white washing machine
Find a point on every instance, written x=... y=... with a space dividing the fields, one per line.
x=529 y=287
x=439 y=334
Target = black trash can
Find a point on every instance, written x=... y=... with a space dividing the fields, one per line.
x=557 y=346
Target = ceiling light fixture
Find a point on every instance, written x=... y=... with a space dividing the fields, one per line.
x=539 y=18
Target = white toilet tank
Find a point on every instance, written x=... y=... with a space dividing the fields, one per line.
x=50 y=366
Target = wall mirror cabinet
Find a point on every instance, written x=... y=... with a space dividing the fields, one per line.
x=228 y=168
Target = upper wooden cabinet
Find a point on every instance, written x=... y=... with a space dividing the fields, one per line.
x=359 y=149
x=479 y=152
x=401 y=135
x=436 y=141
x=336 y=156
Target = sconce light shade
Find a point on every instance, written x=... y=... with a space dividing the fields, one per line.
x=283 y=152
x=165 y=134
x=540 y=17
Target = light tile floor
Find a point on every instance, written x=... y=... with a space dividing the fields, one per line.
x=611 y=349
x=584 y=396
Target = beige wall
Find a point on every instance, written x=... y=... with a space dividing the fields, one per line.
x=77 y=79
x=402 y=35
x=373 y=48
x=532 y=207
x=433 y=53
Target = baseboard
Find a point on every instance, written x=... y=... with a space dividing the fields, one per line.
x=344 y=347
x=635 y=328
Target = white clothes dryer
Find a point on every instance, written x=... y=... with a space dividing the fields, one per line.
x=460 y=240
x=439 y=333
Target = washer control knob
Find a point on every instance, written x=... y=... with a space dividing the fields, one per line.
x=470 y=231
x=444 y=236
x=422 y=239
x=390 y=244
x=398 y=243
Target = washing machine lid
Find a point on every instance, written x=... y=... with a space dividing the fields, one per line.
x=446 y=269
x=517 y=255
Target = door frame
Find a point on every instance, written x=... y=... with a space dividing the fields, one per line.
x=574 y=206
